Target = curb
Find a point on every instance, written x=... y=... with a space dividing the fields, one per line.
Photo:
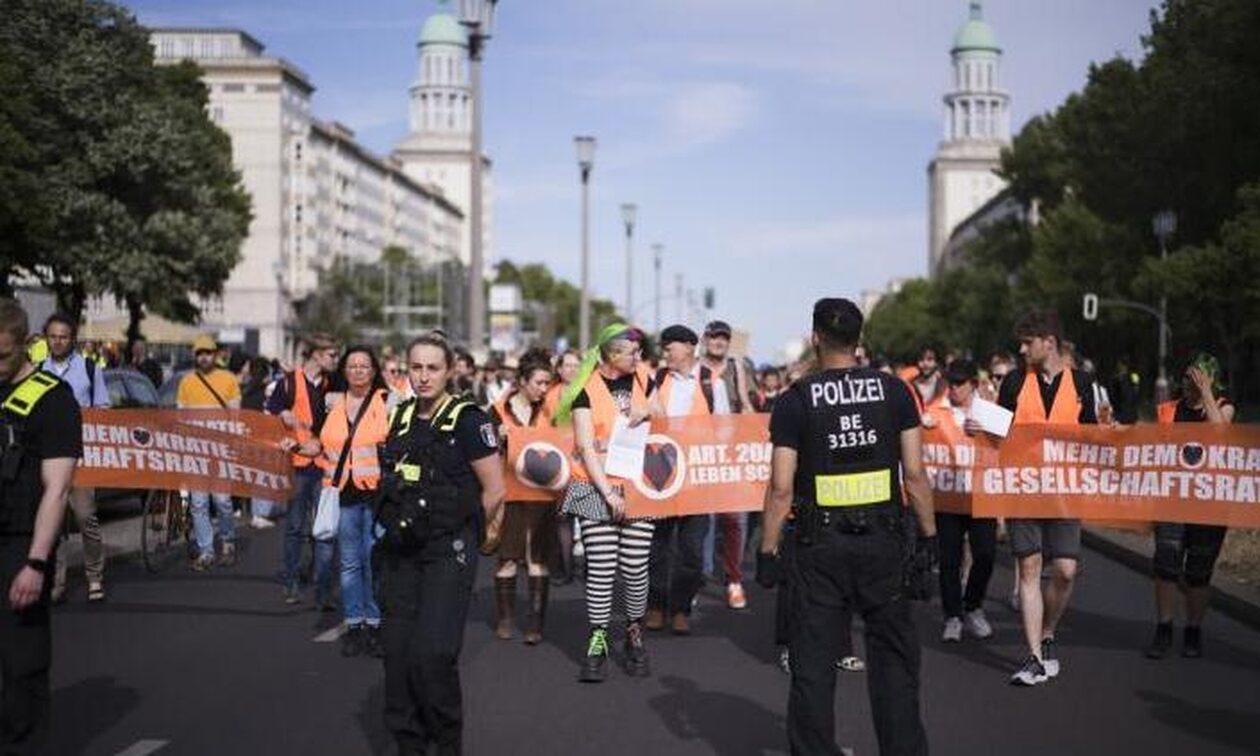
x=1238 y=601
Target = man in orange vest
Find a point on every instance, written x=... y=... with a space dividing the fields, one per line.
x=683 y=388
x=298 y=399
x=1046 y=391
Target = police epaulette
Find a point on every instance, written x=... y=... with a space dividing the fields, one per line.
x=28 y=393
x=444 y=419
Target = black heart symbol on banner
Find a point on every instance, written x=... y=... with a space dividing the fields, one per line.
x=659 y=461
x=141 y=436
x=542 y=467
x=1192 y=454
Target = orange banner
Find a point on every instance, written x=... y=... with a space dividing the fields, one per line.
x=224 y=451
x=951 y=459
x=692 y=465
x=1187 y=472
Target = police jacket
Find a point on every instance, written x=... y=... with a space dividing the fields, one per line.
x=39 y=419
x=845 y=425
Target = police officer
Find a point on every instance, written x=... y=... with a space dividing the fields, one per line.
x=40 y=438
x=845 y=439
x=443 y=476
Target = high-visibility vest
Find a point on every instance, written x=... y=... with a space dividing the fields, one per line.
x=943 y=413
x=701 y=402
x=302 y=411
x=604 y=411
x=1167 y=412
x=362 y=464
x=542 y=416
x=1066 y=409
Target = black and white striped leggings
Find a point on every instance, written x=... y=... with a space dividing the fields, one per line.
x=610 y=547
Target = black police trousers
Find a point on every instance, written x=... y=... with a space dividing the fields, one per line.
x=424 y=605
x=25 y=658
x=831 y=576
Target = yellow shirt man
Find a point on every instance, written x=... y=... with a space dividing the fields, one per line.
x=195 y=390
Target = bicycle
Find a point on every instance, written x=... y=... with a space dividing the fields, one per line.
x=165 y=520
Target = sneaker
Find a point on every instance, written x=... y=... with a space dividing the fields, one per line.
x=1031 y=673
x=636 y=653
x=259 y=522
x=228 y=557
x=1050 y=657
x=977 y=624
x=352 y=641
x=785 y=661
x=735 y=597
x=594 y=665
x=953 y=630
x=1192 y=642
x=373 y=645
x=1162 y=641
x=203 y=563
x=850 y=664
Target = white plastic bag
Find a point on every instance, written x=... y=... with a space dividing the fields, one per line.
x=327 y=515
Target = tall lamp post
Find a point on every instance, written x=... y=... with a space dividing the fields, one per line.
x=656 y=262
x=586 y=161
x=628 y=213
x=1164 y=225
x=478 y=17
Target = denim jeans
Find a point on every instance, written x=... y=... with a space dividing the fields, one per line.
x=354 y=538
x=202 y=529
x=297 y=531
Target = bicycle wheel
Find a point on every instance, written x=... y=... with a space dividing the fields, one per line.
x=160 y=529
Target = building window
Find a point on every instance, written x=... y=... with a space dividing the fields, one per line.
x=233 y=87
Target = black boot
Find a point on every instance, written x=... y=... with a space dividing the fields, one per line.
x=539 y=587
x=373 y=645
x=1161 y=642
x=352 y=641
x=636 y=653
x=594 y=666
x=1192 y=642
x=505 y=596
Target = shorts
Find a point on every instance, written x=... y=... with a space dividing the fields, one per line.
x=1053 y=539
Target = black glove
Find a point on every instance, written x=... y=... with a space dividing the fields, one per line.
x=767 y=569
x=920 y=578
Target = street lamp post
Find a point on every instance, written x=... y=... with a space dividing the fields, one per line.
x=478 y=16
x=586 y=161
x=1164 y=225
x=629 y=212
x=656 y=262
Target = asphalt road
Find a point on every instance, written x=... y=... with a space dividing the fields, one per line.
x=186 y=663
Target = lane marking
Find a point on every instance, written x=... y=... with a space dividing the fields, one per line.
x=143 y=747
x=328 y=636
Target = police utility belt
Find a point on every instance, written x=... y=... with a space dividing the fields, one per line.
x=416 y=501
x=852 y=503
x=20 y=482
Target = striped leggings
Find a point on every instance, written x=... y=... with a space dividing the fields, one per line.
x=611 y=546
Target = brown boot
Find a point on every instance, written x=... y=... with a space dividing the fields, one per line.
x=505 y=595
x=538 y=589
x=680 y=625
x=655 y=619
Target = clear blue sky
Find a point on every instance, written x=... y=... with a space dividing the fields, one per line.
x=777 y=149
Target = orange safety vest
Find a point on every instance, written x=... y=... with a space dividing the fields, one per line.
x=302 y=410
x=506 y=415
x=361 y=463
x=914 y=393
x=1167 y=412
x=1029 y=409
x=604 y=412
x=944 y=414
x=552 y=400
x=699 y=402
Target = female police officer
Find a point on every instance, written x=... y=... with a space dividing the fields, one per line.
x=445 y=477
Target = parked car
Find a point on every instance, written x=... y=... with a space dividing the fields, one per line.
x=129 y=389
x=169 y=389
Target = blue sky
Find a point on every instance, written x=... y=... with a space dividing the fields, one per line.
x=777 y=149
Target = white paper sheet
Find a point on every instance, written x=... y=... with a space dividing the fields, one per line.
x=992 y=418
x=626 y=448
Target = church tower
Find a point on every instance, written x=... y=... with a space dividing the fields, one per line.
x=438 y=151
x=961 y=176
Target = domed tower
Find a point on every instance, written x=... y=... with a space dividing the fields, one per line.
x=438 y=151
x=962 y=178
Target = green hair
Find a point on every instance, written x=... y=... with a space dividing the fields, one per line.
x=611 y=333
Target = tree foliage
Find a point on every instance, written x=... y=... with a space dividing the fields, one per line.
x=563 y=298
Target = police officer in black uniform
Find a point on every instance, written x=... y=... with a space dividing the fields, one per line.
x=442 y=476
x=845 y=439
x=41 y=438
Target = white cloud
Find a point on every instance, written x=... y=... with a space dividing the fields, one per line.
x=702 y=114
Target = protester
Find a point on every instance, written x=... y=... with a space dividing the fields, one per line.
x=927 y=380
x=1187 y=552
x=209 y=387
x=769 y=388
x=569 y=549
x=527 y=534
x=140 y=361
x=86 y=381
x=607 y=385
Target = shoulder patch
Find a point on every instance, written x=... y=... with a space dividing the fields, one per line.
x=489 y=436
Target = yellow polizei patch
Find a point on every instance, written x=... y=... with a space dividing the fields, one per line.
x=854 y=489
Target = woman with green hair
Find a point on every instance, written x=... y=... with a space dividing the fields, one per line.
x=1187 y=552
x=608 y=384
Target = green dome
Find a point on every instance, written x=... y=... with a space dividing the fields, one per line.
x=976 y=34
x=443 y=29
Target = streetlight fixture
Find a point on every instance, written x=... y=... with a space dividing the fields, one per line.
x=586 y=162
x=656 y=261
x=1164 y=225
x=478 y=17
x=629 y=212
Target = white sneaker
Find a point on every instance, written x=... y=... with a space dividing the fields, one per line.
x=977 y=624
x=261 y=523
x=953 y=630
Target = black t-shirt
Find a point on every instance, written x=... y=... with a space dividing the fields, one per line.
x=622 y=390
x=474 y=438
x=54 y=429
x=1013 y=384
x=875 y=441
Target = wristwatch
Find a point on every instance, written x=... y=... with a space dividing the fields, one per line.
x=39 y=565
